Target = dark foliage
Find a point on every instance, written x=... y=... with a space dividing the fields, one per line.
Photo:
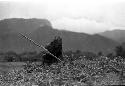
x=111 y=56
x=89 y=55
x=120 y=51
x=55 y=47
x=100 y=53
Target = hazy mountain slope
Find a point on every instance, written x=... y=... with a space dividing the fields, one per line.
x=22 y=25
x=10 y=38
x=117 y=35
x=74 y=41
x=43 y=33
x=14 y=42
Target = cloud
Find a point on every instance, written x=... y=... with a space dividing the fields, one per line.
x=90 y=16
x=106 y=17
x=10 y=9
x=79 y=25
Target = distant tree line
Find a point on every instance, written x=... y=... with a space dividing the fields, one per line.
x=55 y=47
x=14 y=57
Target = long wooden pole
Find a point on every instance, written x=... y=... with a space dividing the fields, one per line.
x=40 y=46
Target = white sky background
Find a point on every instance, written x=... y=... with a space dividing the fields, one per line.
x=89 y=16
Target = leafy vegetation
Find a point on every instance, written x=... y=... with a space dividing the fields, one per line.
x=55 y=47
x=76 y=69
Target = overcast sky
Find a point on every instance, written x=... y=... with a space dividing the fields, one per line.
x=90 y=16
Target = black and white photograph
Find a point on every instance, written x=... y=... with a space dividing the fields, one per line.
x=62 y=42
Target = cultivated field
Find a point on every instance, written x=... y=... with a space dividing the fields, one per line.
x=80 y=72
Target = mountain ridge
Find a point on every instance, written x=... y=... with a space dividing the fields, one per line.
x=44 y=33
x=117 y=35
